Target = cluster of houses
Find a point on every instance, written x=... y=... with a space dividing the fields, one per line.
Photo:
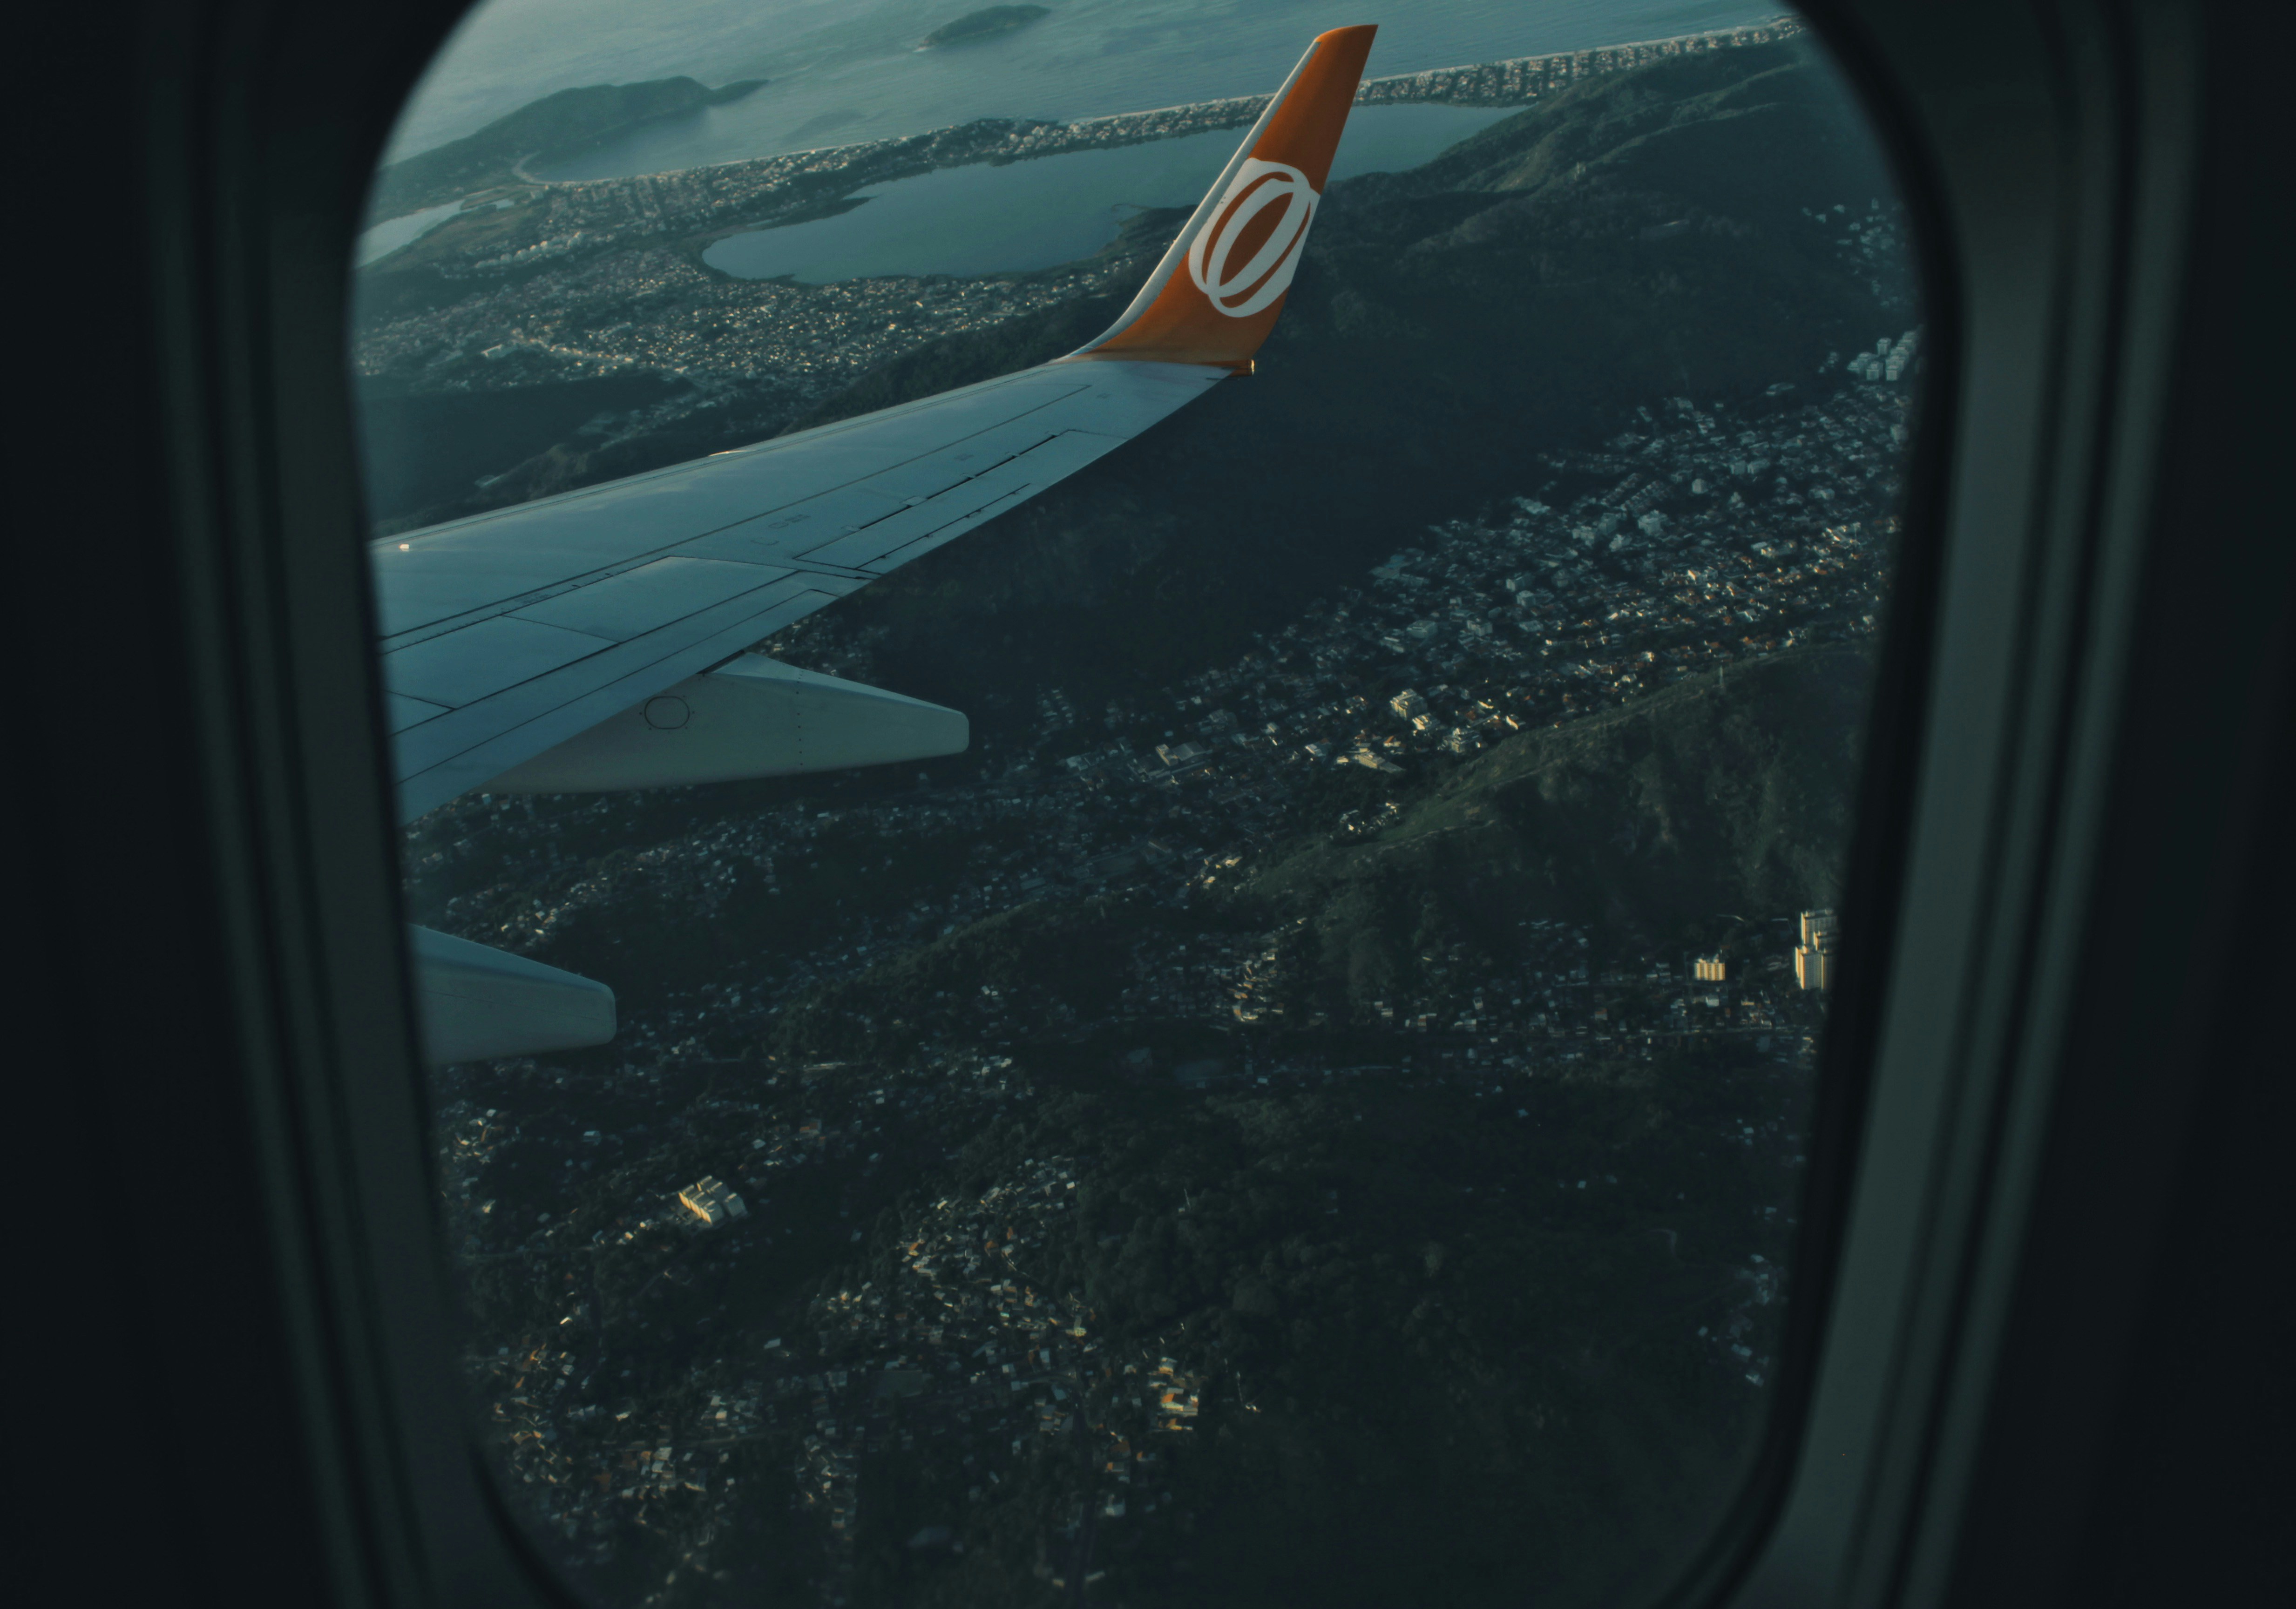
x=957 y=1346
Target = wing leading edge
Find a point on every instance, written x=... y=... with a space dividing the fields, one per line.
x=575 y=638
x=508 y=635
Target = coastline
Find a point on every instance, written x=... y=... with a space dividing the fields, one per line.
x=700 y=205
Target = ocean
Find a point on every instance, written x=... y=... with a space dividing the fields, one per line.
x=842 y=72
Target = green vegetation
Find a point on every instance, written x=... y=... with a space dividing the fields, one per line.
x=985 y=24
x=549 y=130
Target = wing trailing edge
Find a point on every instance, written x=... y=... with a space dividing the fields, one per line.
x=756 y=716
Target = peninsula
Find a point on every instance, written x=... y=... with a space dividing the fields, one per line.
x=551 y=129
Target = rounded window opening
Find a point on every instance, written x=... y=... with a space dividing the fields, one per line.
x=1211 y=1002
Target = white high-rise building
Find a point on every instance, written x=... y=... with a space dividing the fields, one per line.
x=1819 y=957
x=708 y=1199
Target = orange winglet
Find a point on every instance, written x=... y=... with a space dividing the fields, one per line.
x=1220 y=287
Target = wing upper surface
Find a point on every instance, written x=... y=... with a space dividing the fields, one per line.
x=507 y=634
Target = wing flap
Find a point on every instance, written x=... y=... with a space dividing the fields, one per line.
x=1000 y=484
x=652 y=596
x=788 y=535
x=404 y=711
x=461 y=667
x=461 y=750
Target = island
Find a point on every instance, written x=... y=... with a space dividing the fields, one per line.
x=984 y=24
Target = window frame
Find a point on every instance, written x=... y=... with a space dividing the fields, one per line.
x=2050 y=197
x=2066 y=177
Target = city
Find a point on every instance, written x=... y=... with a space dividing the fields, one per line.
x=1699 y=540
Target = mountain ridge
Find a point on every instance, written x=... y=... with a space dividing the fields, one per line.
x=1645 y=822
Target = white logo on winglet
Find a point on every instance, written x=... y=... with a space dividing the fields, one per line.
x=1257 y=186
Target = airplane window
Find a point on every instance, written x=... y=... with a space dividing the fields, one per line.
x=1193 y=974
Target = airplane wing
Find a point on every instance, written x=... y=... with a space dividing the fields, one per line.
x=595 y=640
x=515 y=639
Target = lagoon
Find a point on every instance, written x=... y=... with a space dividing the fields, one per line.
x=386 y=238
x=381 y=240
x=992 y=220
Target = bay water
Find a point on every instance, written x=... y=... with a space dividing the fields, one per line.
x=841 y=72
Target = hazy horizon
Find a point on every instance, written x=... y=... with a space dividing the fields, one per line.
x=846 y=70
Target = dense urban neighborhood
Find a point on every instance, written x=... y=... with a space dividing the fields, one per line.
x=1466 y=637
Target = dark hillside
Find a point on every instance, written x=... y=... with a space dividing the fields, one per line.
x=1721 y=795
x=1743 y=131
x=1454 y=1383
x=455 y=438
